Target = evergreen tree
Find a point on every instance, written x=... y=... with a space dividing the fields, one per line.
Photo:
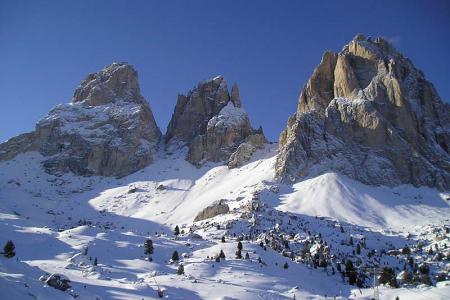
x=95 y=261
x=247 y=256
x=407 y=277
x=223 y=239
x=175 y=256
x=387 y=276
x=222 y=254
x=260 y=260
x=148 y=247
x=424 y=269
x=406 y=250
x=238 y=254
x=351 y=241
x=350 y=272
x=8 y=250
x=239 y=246
x=285 y=266
x=358 y=249
x=426 y=279
x=180 y=270
x=176 y=230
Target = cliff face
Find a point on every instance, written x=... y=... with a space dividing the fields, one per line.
x=368 y=113
x=211 y=123
x=108 y=129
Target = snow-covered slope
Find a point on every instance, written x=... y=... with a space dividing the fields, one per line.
x=400 y=208
x=54 y=219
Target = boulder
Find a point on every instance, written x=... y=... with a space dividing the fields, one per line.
x=57 y=281
x=213 y=210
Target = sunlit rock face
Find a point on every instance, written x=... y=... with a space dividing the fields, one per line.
x=368 y=113
x=108 y=129
x=210 y=122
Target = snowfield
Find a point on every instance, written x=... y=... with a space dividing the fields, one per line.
x=62 y=224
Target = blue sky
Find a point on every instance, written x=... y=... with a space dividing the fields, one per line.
x=269 y=48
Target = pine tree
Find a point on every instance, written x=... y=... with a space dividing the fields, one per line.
x=222 y=254
x=180 y=270
x=407 y=277
x=350 y=272
x=223 y=239
x=426 y=279
x=95 y=261
x=260 y=260
x=387 y=276
x=175 y=256
x=285 y=266
x=238 y=254
x=406 y=250
x=351 y=241
x=148 y=247
x=8 y=250
x=176 y=230
x=239 y=246
x=358 y=249
x=247 y=256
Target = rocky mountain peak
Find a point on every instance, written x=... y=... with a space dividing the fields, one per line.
x=117 y=81
x=368 y=113
x=211 y=122
x=108 y=129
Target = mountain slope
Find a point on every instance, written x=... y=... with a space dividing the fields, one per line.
x=52 y=219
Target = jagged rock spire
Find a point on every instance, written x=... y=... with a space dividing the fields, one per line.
x=211 y=122
x=235 y=98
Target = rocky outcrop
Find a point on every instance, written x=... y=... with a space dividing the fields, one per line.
x=246 y=150
x=368 y=113
x=210 y=122
x=57 y=281
x=213 y=210
x=107 y=130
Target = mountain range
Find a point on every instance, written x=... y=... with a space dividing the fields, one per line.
x=356 y=188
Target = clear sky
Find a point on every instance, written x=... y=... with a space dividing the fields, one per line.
x=269 y=48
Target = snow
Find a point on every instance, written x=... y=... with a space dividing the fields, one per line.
x=54 y=219
x=339 y=197
x=92 y=122
x=229 y=116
